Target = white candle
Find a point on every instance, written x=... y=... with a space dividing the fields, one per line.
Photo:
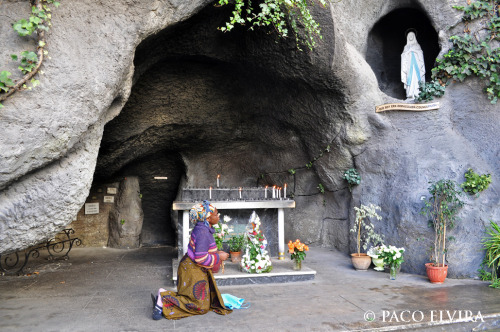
x=279 y=192
x=240 y=192
x=218 y=177
x=274 y=191
x=265 y=192
x=284 y=193
x=210 y=193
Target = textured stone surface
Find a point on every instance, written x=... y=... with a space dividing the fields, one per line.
x=204 y=103
x=50 y=136
x=125 y=220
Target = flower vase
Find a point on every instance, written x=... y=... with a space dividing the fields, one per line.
x=297 y=264
x=379 y=264
x=393 y=272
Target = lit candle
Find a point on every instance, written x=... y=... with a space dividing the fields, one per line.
x=274 y=191
x=240 y=192
x=210 y=193
x=279 y=192
x=265 y=192
x=218 y=177
x=284 y=193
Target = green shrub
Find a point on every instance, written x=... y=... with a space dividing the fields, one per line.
x=352 y=177
x=430 y=90
x=475 y=183
x=236 y=243
x=491 y=243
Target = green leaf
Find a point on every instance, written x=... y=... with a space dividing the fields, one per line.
x=4 y=78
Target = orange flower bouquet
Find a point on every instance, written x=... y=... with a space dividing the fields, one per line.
x=297 y=250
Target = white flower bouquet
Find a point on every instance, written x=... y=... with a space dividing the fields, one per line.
x=392 y=255
x=221 y=231
x=255 y=258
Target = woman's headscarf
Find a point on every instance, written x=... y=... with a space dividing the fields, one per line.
x=201 y=212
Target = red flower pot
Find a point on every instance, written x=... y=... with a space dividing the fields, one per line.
x=436 y=274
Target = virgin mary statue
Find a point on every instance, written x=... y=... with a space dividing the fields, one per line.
x=412 y=66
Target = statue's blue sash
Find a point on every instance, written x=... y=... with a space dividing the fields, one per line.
x=413 y=64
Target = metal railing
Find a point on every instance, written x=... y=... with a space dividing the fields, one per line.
x=57 y=248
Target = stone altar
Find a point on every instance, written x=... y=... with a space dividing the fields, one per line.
x=248 y=204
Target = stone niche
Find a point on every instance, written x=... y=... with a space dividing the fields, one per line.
x=386 y=42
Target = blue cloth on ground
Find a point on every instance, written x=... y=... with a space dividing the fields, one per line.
x=233 y=302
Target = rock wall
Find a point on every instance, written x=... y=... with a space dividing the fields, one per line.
x=50 y=136
x=158 y=77
x=125 y=220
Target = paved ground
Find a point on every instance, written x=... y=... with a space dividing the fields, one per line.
x=102 y=289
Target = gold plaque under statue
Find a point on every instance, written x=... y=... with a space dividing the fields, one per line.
x=407 y=107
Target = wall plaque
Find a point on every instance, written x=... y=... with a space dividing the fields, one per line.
x=112 y=191
x=406 y=107
x=109 y=199
x=91 y=208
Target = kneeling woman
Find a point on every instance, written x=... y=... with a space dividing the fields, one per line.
x=197 y=292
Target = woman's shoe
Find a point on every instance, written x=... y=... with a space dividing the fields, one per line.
x=157 y=310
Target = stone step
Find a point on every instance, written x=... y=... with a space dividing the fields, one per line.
x=282 y=272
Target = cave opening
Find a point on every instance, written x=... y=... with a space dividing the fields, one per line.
x=386 y=42
x=205 y=103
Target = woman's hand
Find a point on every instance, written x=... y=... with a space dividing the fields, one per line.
x=223 y=255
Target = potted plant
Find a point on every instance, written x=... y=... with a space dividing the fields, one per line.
x=365 y=233
x=236 y=243
x=491 y=243
x=441 y=207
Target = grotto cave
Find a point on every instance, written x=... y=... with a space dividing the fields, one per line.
x=158 y=90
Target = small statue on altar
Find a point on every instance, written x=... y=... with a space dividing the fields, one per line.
x=412 y=65
x=255 y=258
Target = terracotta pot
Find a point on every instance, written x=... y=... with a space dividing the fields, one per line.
x=436 y=274
x=235 y=256
x=361 y=262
